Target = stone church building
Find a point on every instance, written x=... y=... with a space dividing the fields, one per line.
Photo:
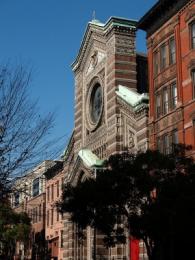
x=111 y=111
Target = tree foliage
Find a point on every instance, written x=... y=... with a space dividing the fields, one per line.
x=14 y=227
x=149 y=194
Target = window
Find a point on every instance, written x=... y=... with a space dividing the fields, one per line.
x=40 y=213
x=158 y=105
x=62 y=183
x=155 y=63
x=174 y=95
x=33 y=215
x=62 y=238
x=193 y=131
x=36 y=187
x=175 y=137
x=163 y=56
x=193 y=35
x=173 y=140
x=52 y=192
x=165 y=141
x=172 y=53
x=57 y=215
x=158 y=144
x=36 y=213
x=48 y=193
x=165 y=101
x=193 y=82
x=51 y=216
x=16 y=199
x=48 y=218
x=58 y=188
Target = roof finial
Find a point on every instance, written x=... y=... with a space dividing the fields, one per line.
x=93 y=15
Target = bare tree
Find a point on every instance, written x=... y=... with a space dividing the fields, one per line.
x=23 y=131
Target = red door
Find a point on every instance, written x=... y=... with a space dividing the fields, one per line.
x=134 y=249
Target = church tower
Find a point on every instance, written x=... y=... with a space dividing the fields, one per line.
x=110 y=115
x=106 y=59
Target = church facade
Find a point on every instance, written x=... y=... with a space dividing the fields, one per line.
x=111 y=113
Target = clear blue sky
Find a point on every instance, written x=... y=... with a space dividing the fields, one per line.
x=46 y=34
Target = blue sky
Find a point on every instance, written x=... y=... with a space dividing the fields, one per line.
x=46 y=35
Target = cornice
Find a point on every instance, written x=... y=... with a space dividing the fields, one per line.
x=121 y=25
x=160 y=13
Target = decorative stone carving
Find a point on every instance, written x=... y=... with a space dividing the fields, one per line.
x=93 y=137
x=131 y=142
x=95 y=59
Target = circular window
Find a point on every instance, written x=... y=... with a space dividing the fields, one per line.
x=96 y=103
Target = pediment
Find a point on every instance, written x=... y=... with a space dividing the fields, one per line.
x=96 y=34
x=93 y=34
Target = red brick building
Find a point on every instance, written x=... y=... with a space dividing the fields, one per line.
x=54 y=223
x=30 y=196
x=170 y=27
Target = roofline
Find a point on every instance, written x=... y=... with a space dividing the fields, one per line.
x=115 y=20
x=142 y=54
x=148 y=19
x=142 y=22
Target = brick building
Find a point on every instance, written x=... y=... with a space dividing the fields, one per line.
x=53 y=222
x=110 y=117
x=29 y=195
x=170 y=27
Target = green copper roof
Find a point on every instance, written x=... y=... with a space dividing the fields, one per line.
x=96 y=22
x=118 y=21
x=90 y=159
x=130 y=96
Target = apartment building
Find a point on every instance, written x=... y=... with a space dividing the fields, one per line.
x=170 y=27
x=54 y=220
x=29 y=195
